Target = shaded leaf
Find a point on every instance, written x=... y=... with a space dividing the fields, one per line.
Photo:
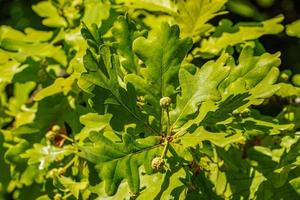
x=125 y=32
x=197 y=88
x=118 y=161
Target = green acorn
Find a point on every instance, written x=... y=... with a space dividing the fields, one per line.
x=50 y=135
x=165 y=102
x=157 y=163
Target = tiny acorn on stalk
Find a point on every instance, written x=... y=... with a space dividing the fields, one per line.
x=157 y=163
x=50 y=135
x=165 y=102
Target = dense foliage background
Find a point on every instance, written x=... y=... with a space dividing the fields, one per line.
x=157 y=99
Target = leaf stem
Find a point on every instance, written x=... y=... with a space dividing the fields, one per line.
x=66 y=137
x=161 y=122
x=169 y=132
x=164 y=153
x=179 y=133
x=69 y=164
x=68 y=195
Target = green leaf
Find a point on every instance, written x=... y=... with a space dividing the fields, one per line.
x=8 y=67
x=244 y=9
x=70 y=185
x=43 y=197
x=159 y=185
x=45 y=155
x=167 y=6
x=63 y=85
x=33 y=43
x=197 y=88
x=219 y=139
x=162 y=53
x=288 y=90
x=164 y=185
x=293 y=29
x=125 y=32
x=253 y=74
x=228 y=86
x=17 y=104
x=90 y=61
x=30 y=35
x=93 y=122
x=32 y=174
x=193 y=16
x=57 y=109
x=222 y=111
x=51 y=14
x=25 y=129
x=214 y=45
x=295 y=183
x=13 y=154
x=107 y=76
x=118 y=161
x=92 y=14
